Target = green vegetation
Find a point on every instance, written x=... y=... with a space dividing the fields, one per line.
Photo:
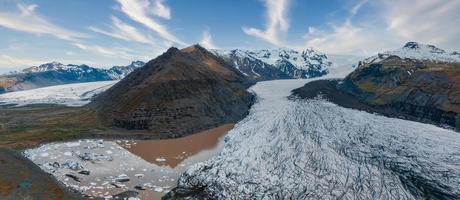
x=28 y=126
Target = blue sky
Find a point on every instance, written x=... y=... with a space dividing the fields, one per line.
x=113 y=32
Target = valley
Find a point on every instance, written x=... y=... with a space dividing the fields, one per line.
x=193 y=125
x=229 y=100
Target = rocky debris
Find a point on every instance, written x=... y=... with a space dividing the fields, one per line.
x=179 y=92
x=126 y=195
x=73 y=165
x=139 y=175
x=122 y=178
x=116 y=185
x=89 y=156
x=85 y=172
x=75 y=178
x=139 y=187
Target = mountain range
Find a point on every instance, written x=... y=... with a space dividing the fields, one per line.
x=279 y=63
x=56 y=73
x=257 y=65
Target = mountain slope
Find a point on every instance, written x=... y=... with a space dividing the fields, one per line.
x=56 y=73
x=180 y=92
x=418 y=82
x=277 y=63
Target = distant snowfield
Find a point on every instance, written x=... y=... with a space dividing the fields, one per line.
x=296 y=149
x=77 y=94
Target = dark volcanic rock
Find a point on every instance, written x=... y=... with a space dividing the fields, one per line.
x=126 y=195
x=180 y=92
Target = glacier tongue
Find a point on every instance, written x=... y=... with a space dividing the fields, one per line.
x=296 y=149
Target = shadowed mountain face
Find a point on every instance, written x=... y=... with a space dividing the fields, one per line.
x=56 y=74
x=179 y=92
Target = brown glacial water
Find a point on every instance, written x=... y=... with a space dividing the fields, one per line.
x=148 y=167
x=174 y=156
x=172 y=152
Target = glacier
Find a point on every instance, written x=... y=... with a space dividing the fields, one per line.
x=287 y=148
x=76 y=94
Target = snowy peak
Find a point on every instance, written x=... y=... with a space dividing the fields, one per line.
x=293 y=64
x=45 y=67
x=116 y=72
x=418 y=51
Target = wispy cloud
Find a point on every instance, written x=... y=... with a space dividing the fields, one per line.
x=121 y=30
x=161 y=10
x=277 y=22
x=431 y=21
x=428 y=21
x=139 y=10
x=10 y=61
x=104 y=51
x=354 y=10
x=27 y=20
x=206 y=41
x=347 y=39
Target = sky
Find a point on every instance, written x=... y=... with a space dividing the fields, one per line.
x=104 y=33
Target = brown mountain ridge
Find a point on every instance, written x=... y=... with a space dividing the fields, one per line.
x=179 y=92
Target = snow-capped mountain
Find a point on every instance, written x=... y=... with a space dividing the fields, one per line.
x=417 y=51
x=119 y=72
x=277 y=63
x=56 y=73
x=116 y=72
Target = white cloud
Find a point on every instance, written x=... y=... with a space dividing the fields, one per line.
x=139 y=10
x=161 y=10
x=354 y=10
x=27 y=20
x=121 y=30
x=206 y=41
x=347 y=39
x=277 y=22
x=10 y=61
x=428 y=21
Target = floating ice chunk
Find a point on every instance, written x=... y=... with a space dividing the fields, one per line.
x=44 y=154
x=68 y=153
x=160 y=159
x=158 y=189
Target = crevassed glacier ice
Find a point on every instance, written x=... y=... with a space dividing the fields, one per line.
x=296 y=149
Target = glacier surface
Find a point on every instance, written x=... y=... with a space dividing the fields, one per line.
x=77 y=94
x=314 y=149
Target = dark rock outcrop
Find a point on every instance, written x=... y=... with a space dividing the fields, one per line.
x=179 y=92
